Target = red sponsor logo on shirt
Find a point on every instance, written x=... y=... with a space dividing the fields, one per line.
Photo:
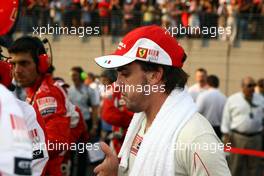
x=136 y=144
x=47 y=105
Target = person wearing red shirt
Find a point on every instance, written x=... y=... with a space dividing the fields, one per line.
x=114 y=111
x=79 y=135
x=104 y=14
x=116 y=114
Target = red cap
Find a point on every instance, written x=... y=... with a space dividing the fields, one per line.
x=5 y=73
x=150 y=43
x=8 y=13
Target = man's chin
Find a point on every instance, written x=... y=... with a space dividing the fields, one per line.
x=24 y=84
x=133 y=108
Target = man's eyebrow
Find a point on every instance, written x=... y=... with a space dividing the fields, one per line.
x=123 y=68
x=20 y=61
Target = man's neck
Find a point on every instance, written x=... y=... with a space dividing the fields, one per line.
x=78 y=86
x=157 y=101
x=31 y=90
x=248 y=98
x=37 y=83
x=202 y=85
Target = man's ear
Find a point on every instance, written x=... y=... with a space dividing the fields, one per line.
x=155 y=77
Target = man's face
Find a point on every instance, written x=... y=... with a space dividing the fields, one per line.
x=76 y=78
x=248 y=86
x=200 y=78
x=88 y=80
x=24 y=69
x=129 y=78
x=261 y=87
x=105 y=81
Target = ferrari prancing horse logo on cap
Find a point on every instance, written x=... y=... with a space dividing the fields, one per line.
x=142 y=52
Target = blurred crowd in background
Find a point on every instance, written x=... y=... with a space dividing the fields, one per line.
x=103 y=109
x=116 y=17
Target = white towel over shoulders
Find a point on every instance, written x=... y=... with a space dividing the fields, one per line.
x=156 y=154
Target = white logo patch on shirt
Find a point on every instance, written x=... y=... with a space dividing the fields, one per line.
x=33 y=134
x=47 y=105
x=19 y=128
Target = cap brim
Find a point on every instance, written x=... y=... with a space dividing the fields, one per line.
x=113 y=61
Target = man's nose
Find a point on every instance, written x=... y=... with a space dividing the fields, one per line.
x=119 y=80
x=17 y=68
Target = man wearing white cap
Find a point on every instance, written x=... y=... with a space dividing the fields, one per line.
x=166 y=135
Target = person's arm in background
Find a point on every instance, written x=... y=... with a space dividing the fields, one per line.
x=113 y=115
x=94 y=4
x=95 y=101
x=200 y=102
x=225 y=124
x=53 y=111
x=82 y=127
x=79 y=133
x=32 y=5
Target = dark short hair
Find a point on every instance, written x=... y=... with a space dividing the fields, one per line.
x=91 y=75
x=201 y=70
x=110 y=74
x=260 y=82
x=213 y=81
x=77 y=69
x=28 y=44
x=173 y=77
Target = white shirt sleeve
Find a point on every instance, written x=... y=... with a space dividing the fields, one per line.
x=226 y=119
x=37 y=135
x=94 y=97
x=208 y=158
x=200 y=102
x=199 y=151
x=15 y=144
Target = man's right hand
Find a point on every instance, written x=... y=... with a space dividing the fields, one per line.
x=109 y=167
x=226 y=138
